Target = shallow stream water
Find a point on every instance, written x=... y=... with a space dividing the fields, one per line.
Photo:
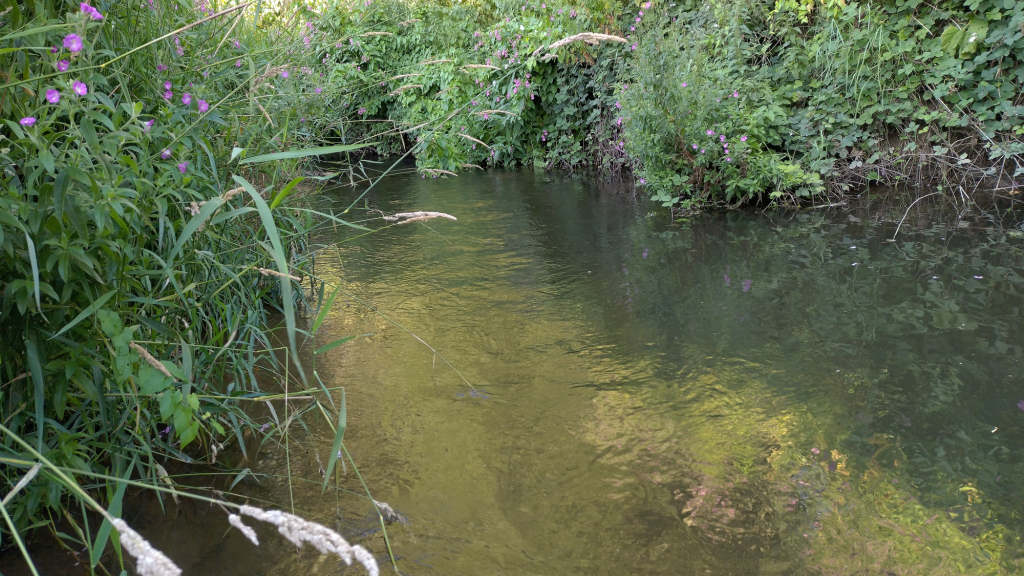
x=565 y=382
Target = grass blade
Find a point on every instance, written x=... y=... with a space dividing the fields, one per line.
x=35 y=367
x=334 y=344
x=35 y=270
x=324 y=310
x=304 y=152
x=281 y=260
x=114 y=509
x=339 y=435
x=285 y=191
x=85 y=313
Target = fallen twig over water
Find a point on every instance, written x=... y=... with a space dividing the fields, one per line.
x=407 y=217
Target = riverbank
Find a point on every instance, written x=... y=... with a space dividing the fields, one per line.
x=705 y=103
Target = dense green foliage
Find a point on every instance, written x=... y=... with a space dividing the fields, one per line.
x=469 y=85
x=707 y=102
x=852 y=93
x=139 y=266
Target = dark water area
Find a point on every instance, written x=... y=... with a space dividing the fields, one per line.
x=566 y=382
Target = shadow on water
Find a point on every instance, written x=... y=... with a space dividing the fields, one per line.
x=728 y=394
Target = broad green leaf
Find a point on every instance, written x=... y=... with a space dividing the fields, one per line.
x=951 y=38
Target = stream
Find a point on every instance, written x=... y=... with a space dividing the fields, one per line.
x=565 y=382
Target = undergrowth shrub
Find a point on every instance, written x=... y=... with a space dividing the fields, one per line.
x=144 y=249
x=466 y=85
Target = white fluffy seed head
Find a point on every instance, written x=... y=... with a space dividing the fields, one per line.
x=300 y=531
x=236 y=521
x=148 y=560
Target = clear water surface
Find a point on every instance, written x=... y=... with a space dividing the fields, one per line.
x=736 y=393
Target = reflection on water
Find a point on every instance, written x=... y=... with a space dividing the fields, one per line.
x=734 y=394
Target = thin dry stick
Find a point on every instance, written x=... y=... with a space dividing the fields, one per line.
x=376 y=33
x=400 y=76
x=470 y=138
x=439 y=171
x=474 y=66
x=438 y=61
x=403 y=88
x=908 y=212
x=150 y=359
x=228 y=33
x=483 y=112
x=407 y=217
x=269 y=272
x=592 y=38
x=260 y=106
x=22 y=483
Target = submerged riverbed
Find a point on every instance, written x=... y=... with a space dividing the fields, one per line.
x=734 y=393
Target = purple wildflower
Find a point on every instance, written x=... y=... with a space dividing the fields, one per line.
x=167 y=85
x=63 y=66
x=168 y=95
x=735 y=94
x=815 y=451
x=238 y=63
x=161 y=67
x=148 y=124
x=79 y=88
x=52 y=96
x=183 y=167
x=746 y=285
x=721 y=138
x=743 y=138
x=27 y=121
x=73 y=42
x=710 y=132
x=284 y=73
x=317 y=90
x=203 y=106
x=54 y=49
x=165 y=154
x=186 y=99
x=92 y=12
x=684 y=84
x=1020 y=405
